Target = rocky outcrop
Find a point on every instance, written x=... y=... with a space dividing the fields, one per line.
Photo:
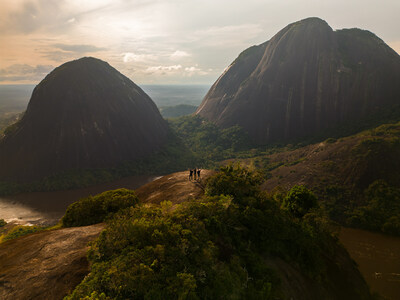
x=45 y=265
x=49 y=264
x=306 y=79
x=84 y=114
x=175 y=187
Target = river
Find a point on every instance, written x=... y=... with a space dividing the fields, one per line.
x=378 y=258
x=46 y=208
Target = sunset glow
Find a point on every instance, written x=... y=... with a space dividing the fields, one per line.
x=163 y=42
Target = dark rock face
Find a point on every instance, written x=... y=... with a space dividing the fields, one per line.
x=307 y=78
x=84 y=114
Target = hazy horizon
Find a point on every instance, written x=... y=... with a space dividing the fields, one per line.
x=16 y=96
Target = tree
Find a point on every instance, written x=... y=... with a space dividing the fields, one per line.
x=299 y=201
x=238 y=182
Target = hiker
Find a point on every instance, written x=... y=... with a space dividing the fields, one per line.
x=194 y=173
x=191 y=174
x=198 y=174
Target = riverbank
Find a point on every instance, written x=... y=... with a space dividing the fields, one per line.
x=46 y=208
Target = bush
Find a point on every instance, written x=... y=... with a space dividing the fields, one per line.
x=233 y=180
x=299 y=201
x=2 y=223
x=19 y=231
x=381 y=210
x=95 y=209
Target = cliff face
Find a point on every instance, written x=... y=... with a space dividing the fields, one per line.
x=307 y=78
x=84 y=114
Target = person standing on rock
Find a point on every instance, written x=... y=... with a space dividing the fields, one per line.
x=198 y=174
x=190 y=174
x=194 y=173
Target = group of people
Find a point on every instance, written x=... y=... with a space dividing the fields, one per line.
x=194 y=174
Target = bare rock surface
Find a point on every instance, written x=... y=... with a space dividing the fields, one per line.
x=175 y=187
x=83 y=115
x=45 y=265
x=306 y=79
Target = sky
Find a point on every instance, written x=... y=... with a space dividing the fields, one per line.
x=164 y=41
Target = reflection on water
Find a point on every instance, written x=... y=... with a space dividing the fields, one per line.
x=378 y=258
x=49 y=207
x=19 y=213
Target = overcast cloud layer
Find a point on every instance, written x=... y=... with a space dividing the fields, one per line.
x=164 y=42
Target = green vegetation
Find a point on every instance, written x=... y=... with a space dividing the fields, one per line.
x=209 y=142
x=95 y=209
x=210 y=248
x=299 y=201
x=233 y=180
x=6 y=122
x=2 y=223
x=19 y=231
x=177 y=110
x=381 y=211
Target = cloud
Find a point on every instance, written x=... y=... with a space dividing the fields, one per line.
x=163 y=69
x=147 y=38
x=24 y=73
x=78 y=48
x=130 y=56
x=30 y=16
x=227 y=36
x=179 y=54
x=175 y=70
x=61 y=52
x=194 y=70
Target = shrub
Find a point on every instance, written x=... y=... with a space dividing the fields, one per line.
x=2 y=223
x=19 y=231
x=95 y=209
x=233 y=180
x=381 y=210
x=299 y=201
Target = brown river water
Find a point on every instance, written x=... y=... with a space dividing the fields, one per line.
x=47 y=208
x=378 y=258
x=377 y=255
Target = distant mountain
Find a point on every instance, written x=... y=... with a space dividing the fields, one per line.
x=306 y=79
x=84 y=114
